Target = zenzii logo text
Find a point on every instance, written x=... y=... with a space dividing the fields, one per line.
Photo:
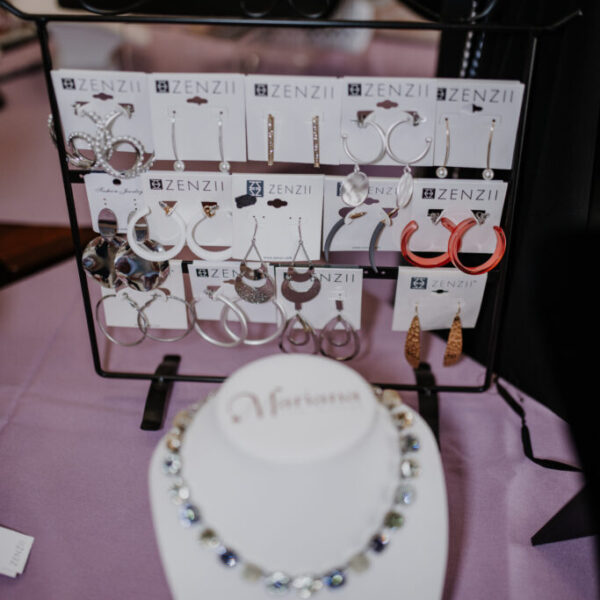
x=482 y=95
x=286 y=91
x=479 y=194
x=216 y=87
x=116 y=86
x=403 y=89
x=188 y=185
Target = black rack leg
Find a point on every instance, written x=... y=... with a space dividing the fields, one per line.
x=573 y=520
x=157 y=400
x=429 y=407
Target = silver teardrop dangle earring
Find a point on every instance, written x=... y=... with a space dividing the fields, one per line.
x=293 y=274
x=488 y=173
x=178 y=165
x=316 y=142
x=442 y=172
x=254 y=295
x=327 y=336
x=270 y=140
x=224 y=166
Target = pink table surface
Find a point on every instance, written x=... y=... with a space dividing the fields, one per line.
x=74 y=462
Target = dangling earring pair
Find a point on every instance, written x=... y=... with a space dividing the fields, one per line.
x=487 y=173
x=412 y=346
x=316 y=142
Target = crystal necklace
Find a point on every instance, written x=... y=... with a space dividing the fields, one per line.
x=305 y=584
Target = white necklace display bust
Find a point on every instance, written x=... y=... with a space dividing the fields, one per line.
x=294 y=464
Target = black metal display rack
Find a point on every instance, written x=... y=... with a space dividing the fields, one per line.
x=498 y=278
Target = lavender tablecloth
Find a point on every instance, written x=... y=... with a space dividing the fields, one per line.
x=74 y=462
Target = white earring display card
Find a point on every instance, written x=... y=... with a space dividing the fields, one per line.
x=162 y=313
x=403 y=109
x=356 y=232
x=456 y=199
x=196 y=196
x=337 y=284
x=279 y=208
x=437 y=295
x=204 y=274
x=305 y=115
x=186 y=109
x=122 y=196
x=102 y=92
x=479 y=114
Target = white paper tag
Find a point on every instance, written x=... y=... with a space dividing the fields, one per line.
x=14 y=551
x=192 y=191
x=388 y=99
x=356 y=233
x=122 y=196
x=203 y=274
x=336 y=284
x=161 y=314
x=458 y=199
x=470 y=105
x=198 y=101
x=293 y=102
x=278 y=203
x=437 y=295
x=102 y=92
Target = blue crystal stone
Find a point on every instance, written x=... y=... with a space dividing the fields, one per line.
x=405 y=494
x=278 y=583
x=335 y=579
x=229 y=558
x=379 y=542
x=172 y=464
x=409 y=443
x=189 y=514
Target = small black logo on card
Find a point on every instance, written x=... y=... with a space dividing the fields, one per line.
x=68 y=83
x=441 y=93
x=202 y=273
x=428 y=193
x=162 y=86
x=261 y=89
x=255 y=187
x=156 y=184
x=354 y=89
x=418 y=283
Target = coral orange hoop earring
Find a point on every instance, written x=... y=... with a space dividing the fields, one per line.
x=419 y=261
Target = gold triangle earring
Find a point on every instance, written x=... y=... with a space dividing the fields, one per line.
x=455 y=341
x=412 y=346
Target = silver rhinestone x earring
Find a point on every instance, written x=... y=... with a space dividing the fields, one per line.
x=488 y=173
x=330 y=337
x=178 y=165
x=442 y=172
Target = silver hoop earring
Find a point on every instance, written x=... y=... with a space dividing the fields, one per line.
x=209 y=210
x=235 y=341
x=327 y=339
x=178 y=165
x=281 y=319
x=355 y=186
x=144 y=324
x=488 y=173
x=442 y=172
x=133 y=305
x=143 y=250
x=254 y=295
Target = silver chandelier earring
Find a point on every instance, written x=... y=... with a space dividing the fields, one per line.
x=329 y=337
x=442 y=172
x=488 y=173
